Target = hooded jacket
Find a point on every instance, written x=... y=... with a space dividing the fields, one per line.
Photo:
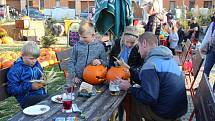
x=19 y=77
x=162 y=84
x=83 y=54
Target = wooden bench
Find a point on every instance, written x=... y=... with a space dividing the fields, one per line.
x=204 y=102
x=3 y=84
x=63 y=58
x=197 y=61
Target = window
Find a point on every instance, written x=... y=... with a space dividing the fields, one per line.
x=42 y=5
x=191 y=4
x=207 y=4
x=57 y=3
x=71 y=4
x=172 y=5
x=30 y=3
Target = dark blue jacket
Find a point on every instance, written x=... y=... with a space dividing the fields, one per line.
x=19 y=76
x=162 y=84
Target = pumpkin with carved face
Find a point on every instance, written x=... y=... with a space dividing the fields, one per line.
x=119 y=71
x=94 y=74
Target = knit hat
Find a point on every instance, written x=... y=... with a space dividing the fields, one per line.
x=131 y=30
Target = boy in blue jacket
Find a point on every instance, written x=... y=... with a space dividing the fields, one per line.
x=162 y=93
x=25 y=69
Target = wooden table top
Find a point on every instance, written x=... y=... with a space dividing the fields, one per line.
x=99 y=107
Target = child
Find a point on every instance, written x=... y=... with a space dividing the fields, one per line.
x=25 y=69
x=86 y=51
x=173 y=39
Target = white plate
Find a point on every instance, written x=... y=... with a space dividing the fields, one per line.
x=36 y=110
x=41 y=81
x=54 y=99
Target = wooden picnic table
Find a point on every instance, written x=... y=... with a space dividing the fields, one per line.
x=99 y=107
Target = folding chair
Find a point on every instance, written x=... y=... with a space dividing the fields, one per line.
x=183 y=51
x=63 y=58
x=186 y=47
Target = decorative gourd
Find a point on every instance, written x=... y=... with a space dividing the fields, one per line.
x=94 y=74
x=119 y=71
x=7 y=40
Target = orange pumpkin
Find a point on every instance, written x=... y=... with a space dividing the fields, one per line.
x=6 y=63
x=94 y=74
x=119 y=71
x=0 y=41
x=161 y=37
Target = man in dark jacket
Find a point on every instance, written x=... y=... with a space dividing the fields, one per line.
x=161 y=95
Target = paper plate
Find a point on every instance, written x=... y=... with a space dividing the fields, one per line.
x=54 y=99
x=36 y=110
x=41 y=81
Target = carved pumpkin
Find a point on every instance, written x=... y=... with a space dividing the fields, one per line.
x=119 y=71
x=94 y=74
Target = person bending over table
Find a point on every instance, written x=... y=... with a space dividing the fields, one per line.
x=161 y=95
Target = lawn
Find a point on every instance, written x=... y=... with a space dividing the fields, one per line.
x=10 y=107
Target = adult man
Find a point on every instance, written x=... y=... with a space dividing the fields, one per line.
x=162 y=93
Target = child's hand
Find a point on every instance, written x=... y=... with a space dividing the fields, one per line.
x=96 y=62
x=76 y=80
x=37 y=85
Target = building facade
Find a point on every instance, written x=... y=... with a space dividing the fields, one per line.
x=82 y=5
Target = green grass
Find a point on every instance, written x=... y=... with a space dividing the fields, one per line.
x=10 y=106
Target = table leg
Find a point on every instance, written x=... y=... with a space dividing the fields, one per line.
x=113 y=116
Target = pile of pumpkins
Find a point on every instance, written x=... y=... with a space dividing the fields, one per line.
x=99 y=74
x=7 y=58
x=4 y=38
x=47 y=57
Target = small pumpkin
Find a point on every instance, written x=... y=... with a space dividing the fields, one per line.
x=119 y=71
x=94 y=74
x=3 y=31
x=161 y=37
x=6 y=63
x=7 y=40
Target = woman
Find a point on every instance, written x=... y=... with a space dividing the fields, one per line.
x=126 y=49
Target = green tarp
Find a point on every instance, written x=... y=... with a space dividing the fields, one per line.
x=112 y=15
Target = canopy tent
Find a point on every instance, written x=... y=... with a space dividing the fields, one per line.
x=112 y=15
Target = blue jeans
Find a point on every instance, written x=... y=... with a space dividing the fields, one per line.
x=209 y=63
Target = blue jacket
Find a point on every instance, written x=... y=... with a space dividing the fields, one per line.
x=19 y=76
x=162 y=84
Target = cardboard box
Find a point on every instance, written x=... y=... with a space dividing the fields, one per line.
x=22 y=24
